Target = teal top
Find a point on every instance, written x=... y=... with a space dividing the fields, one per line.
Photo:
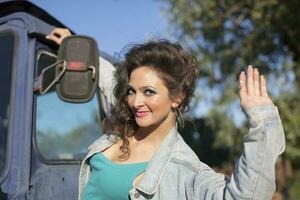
x=110 y=180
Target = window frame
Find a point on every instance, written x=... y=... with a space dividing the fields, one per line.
x=7 y=163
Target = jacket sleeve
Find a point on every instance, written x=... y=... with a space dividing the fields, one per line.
x=106 y=84
x=254 y=174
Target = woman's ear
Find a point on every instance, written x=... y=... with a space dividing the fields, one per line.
x=174 y=105
x=178 y=100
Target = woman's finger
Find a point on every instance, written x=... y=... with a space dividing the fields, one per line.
x=59 y=30
x=263 y=86
x=256 y=82
x=250 y=87
x=242 y=85
x=54 y=38
x=62 y=32
x=58 y=34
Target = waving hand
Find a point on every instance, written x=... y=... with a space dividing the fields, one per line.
x=253 y=89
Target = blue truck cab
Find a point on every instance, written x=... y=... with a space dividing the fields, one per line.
x=42 y=138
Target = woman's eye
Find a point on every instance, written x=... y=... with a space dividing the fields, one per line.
x=130 y=92
x=149 y=92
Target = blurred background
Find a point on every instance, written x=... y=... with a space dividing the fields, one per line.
x=225 y=36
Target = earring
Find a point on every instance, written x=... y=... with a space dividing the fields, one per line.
x=179 y=117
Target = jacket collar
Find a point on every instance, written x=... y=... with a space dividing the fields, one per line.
x=157 y=165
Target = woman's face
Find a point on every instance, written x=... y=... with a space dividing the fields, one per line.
x=148 y=98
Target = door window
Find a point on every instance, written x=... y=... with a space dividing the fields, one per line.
x=7 y=41
x=63 y=130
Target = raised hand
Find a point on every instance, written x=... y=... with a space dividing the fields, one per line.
x=58 y=34
x=253 y=89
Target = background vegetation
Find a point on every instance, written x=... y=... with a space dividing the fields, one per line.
x=226 y=36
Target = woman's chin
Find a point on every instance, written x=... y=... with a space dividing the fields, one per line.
x=143 y=124
x=151 y=123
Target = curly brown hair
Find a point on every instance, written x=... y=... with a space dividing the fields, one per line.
x=178 y=69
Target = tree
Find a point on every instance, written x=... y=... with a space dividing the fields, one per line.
x=226 y=36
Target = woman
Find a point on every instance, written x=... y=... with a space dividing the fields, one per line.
x=143 y=156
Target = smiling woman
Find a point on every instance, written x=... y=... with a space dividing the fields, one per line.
x=154 y=85
x=148 y=98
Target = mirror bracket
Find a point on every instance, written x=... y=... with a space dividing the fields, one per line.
x=38 y=82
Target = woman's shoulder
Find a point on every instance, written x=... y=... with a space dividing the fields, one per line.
x=104 y=140
x=183 y=155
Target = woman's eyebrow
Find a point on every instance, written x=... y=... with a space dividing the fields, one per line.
x=148 y=87
x=142 y=87
x=130 y=87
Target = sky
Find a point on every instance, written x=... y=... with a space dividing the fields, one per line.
x=113 y=23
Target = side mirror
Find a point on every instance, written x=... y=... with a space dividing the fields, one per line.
x=76 y=70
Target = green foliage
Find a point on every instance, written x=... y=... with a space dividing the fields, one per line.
x=228 y=35
x=212 y=138
x=295 y=192
x=290 y=115
x=70 y=145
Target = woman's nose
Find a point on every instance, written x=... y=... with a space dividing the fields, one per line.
x=138 y=100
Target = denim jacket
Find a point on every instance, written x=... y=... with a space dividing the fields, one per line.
x=175 y=172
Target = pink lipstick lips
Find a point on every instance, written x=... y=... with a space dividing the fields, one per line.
x=141 y=113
